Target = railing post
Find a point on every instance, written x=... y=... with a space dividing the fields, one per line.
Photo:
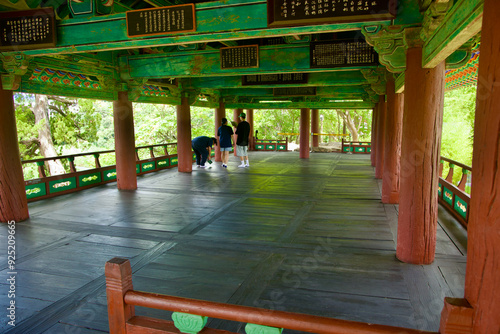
x=449 y=177
x=463 y=180
x=137 y=154
x=151 y=153
x=41 y=170
x=118 y=274
x=72 y=167
x=165 y=149
x=96 y=160
x=441 y=165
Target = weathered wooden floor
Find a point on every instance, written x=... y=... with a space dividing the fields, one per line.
x=308 y=236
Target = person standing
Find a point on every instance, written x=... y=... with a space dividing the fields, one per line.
x=202 y=147
x=243 y=131
x=225 y=134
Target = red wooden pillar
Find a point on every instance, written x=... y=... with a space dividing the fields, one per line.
x=420 y=149
x=392 y=152
x=315 y=127
x=13 y=202
x=236 y=119
x=379 y=163
x=304 y=133
x=184 y=150
x=220 y=113
x=373 y=155
x=118 y=275
x=123 y=118
x=250 y=120
x=482 y=280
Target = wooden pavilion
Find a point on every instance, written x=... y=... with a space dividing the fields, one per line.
x=391 y=56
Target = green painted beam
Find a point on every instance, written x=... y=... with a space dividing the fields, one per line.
x=298 y=105
x=74 y=66
x=28 y=86
x=338 y=78
x=272 y=59
x=461 y=23
x=216 y=22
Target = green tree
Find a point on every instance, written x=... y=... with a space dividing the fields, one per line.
x=49 y=124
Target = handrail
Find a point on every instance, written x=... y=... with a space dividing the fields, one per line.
x=272 y=318
x=65 y=156
x=456 y=163
x=48 y=186
x=122 y=300
x=453 y=197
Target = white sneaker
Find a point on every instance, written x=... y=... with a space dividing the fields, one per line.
x=247 y=165
x=202 y=166
x=241 y=166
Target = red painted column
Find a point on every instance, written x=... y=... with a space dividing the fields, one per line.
x=392 y=155
x=13 y=202
x=123 y=118
x=250 y=137
x=184 y=150
x=379 y=163
x=373 y=155
x=236 y=119
x=482 y=280
x=304 y=133
x=220 y=113
x=420 y=149
x=315 y=127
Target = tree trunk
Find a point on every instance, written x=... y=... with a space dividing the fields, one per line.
x=349 y=122
x=47 y=149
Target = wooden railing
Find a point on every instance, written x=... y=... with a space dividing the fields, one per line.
x=49 y=186
x=190 y=315
x=356 y=146
x=270 y=144
x=454 y=197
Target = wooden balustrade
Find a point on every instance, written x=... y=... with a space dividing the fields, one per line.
x=454 y=197
x=270 y=144
x=363 y=147
x=49 y=186
x=190 y=315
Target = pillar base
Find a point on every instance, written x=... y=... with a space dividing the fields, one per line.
x=456 y=317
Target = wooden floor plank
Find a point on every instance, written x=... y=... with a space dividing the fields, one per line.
x=304 y=235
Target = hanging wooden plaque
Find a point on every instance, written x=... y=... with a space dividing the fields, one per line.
x=344 y=53
x=239 y=57
x=27 y=29
x=310 y=12
x=274 y=79
x=161 y=20
x=294 y=91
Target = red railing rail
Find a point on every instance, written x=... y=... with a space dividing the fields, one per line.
x=49 y=186
x=454 y=197
x=270 y=144
x=356 y=146
x=122 y=299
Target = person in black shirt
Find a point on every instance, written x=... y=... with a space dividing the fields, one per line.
x=243 y=131
x=202 y=147
x=225 y=134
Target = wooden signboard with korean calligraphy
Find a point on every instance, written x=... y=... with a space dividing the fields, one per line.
x=342 y=54
x=239 y=57
x=274 y=79
x=27 y=29
x=294 y=91
x=306 y=12
x=160 y=21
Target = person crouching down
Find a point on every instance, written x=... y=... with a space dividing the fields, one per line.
x=202 y=147
x=225 y=134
